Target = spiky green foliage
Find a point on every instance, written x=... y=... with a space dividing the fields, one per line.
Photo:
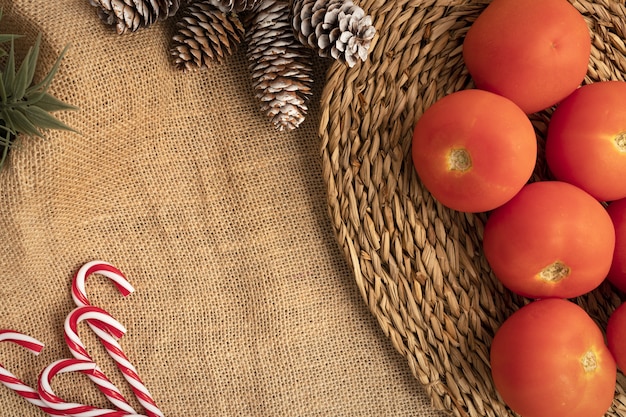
x=26 y=106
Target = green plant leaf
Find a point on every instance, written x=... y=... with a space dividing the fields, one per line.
x=6 y=37
x=31 y=57
x=8 y=121
x=47 y=102
x=45 y=83
x=5 y=145
x=9 y=71
x=3 y=92
x=42 y=119
x=26 y=72
x=21 y=81
x=25 y=108
x=22 y=124
x=5 y=136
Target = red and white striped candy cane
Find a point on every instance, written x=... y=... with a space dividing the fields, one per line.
x=14 y=383
x=108 y=329
x=79 y=294
x=104 y=323
x=72 y=409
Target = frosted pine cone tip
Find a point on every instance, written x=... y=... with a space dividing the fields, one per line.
x=240 y=5
x=130 y=15
x=334 y=28
x=355 y=39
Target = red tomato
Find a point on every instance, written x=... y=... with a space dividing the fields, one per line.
x=616 y=336
x=551 y=240
x=549 y=359
x=617 y=273
x=474 y=150
x=535 y=52
x=586 y=141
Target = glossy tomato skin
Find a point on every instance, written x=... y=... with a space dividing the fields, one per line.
x=617 y=273
x=551 y=240
x=496 y=135
x=549 y=359
x=535 y=52
x=616 y=336
x=586 y=141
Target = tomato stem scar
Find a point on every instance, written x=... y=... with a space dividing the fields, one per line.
x=589 y=361
x=459 y=160
x=620 y=141
x=554 y=272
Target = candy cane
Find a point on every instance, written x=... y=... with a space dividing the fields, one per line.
x=105 y=324
x=72 y=409
x=107 y=329
x=12 y=382
x=27 y=342
x=79 y=293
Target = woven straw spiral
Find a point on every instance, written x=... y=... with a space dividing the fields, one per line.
x=419 y=266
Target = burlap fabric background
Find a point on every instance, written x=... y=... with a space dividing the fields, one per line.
x=244 y=304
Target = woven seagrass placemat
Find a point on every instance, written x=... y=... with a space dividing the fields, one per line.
x=419 y=265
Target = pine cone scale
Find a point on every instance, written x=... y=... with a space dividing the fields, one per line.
x=240 y=5
x=131 y=15
x=335 y=28
x=206 y=33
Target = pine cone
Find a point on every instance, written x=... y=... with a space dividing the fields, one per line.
x=335 y=28
x=240 y=5
x=280 y=66
x=130 y=15
x=206 y=34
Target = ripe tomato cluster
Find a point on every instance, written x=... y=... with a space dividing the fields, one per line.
x=475 y=151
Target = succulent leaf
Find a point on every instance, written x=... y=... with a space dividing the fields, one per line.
x=25 y=106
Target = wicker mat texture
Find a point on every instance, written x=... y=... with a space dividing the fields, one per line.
x=418 y=265
x=244 y=304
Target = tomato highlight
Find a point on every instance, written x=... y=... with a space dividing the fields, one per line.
x=474 y=150
x=549 y=359
x=586 y=141
x=551 y=240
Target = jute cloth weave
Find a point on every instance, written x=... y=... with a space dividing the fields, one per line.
x=244 y=306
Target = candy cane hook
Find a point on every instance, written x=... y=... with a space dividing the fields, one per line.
x=107 y=329
x=79 y=293
x=73 y=409
x=15 y=384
